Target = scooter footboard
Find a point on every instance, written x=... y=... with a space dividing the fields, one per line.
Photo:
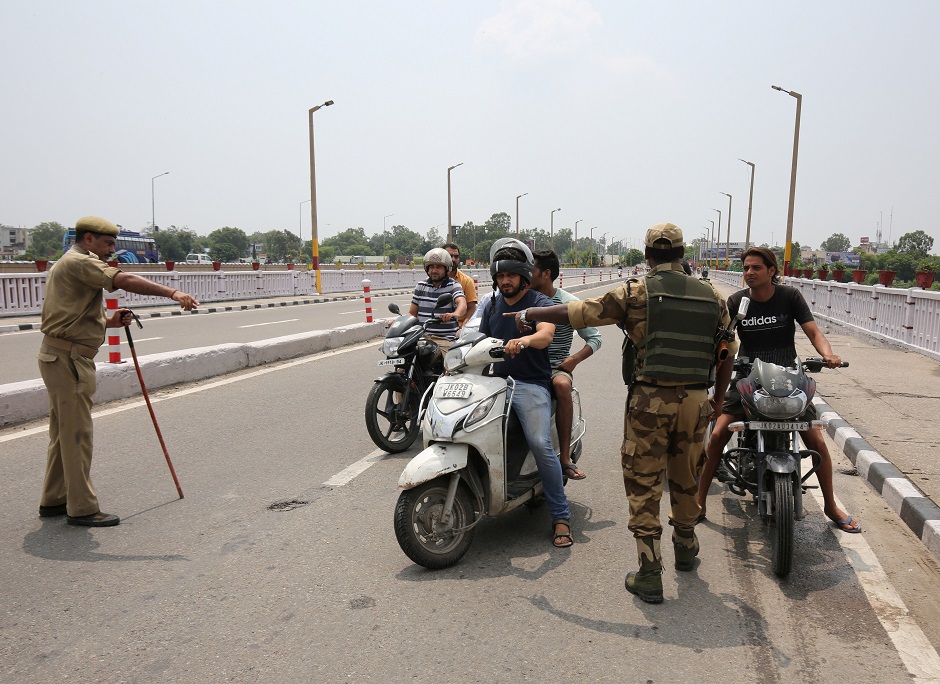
x=438 y=459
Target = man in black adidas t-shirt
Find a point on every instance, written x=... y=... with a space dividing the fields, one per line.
x=769 y=333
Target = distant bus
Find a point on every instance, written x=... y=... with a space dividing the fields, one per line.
x=131 y=248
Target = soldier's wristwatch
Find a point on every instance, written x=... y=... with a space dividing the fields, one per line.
x=522 y=318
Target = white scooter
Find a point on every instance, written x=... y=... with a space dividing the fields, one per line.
x=476 y=461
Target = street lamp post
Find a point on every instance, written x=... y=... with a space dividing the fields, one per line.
x=718 y=235
x=450 y=226
x=701 y=244
x=796 y=149
x=728 y=233
x=153 y=213
x=604 y=255
x=750 y=201
x=576 y=238
x=300 y=221
x=517 y=212
x=552 y=229
x=314 y=232
x=593 y=248
x=385 y=233
x=711 y=243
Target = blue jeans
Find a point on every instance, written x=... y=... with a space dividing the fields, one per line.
x=533 y=406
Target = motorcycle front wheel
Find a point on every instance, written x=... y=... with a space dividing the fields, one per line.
x=419 y=530
x=781 y=531
x=393 y=426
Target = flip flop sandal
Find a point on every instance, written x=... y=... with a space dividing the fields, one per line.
x=562 y=535
x=846 y=525
x=573 y=469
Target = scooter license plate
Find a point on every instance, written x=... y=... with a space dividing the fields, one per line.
x=453 y=390
x=777 y=427
x=392 y=362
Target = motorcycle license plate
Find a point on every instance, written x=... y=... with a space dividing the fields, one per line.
x=392 y=362
x=776 y=427
x=453 y=390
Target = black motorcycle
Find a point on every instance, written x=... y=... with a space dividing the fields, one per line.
x=764 y=455
x=393 y=407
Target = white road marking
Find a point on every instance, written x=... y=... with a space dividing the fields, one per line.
x=146 y=339
x=346 y=475
x=255 y=325
x=193 y=390
x=915 y=650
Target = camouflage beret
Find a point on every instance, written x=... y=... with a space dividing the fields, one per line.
x=664 y=231
x=96 y=225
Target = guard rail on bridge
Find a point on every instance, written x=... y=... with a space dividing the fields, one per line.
x=906 y=316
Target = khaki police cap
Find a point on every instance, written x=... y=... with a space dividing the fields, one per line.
x=96 y=224
x=664 y=231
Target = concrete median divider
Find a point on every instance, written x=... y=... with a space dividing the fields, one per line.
x=23 y=401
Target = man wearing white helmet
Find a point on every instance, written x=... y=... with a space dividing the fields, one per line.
x=528 y=364
x=437 y=264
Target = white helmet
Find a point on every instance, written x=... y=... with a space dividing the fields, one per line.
x=438 y=255
x=523 y=268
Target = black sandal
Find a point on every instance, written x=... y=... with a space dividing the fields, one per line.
x=563 y=535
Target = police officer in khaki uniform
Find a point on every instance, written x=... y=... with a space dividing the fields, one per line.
x=73 y=323
x=667 y=408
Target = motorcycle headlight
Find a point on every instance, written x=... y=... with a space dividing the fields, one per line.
x=390 y=346
x=780 y=407
x=455 y=358
x=480 y=412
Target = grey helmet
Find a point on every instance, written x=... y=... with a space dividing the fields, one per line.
x=438 y=255
x=523 y=268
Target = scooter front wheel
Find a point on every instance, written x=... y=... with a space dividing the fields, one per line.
x=392 y=425
x=781 y=532
x=421 y=533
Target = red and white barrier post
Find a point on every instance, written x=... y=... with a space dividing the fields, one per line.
x=367 y=291
x=476 y=285
x=561 y=280
x=584 y=278
x=114 y=334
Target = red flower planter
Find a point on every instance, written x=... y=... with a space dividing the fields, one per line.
x=886 y=277
x=42 y=264
x=924 y=279
x=216 y=265
x=170 y=265
x=859 y=275
x=807 y=273
x=838 y=275
x=822 y=274
x=255 y=265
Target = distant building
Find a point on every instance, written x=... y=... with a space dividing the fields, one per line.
x=14 y=242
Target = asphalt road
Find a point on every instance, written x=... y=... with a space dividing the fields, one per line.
x=264 y=573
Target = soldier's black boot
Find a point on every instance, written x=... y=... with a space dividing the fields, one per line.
x=648 y=582
x=686 y=546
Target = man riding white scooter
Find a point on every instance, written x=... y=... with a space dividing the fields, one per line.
x=528 y=364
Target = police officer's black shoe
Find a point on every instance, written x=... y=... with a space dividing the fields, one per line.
x=52 y=511
x=98 y=519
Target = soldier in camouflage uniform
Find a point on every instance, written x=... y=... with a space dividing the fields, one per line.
x=666 y=417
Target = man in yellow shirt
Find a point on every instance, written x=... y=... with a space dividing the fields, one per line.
x=466 y=282
x=73 y=323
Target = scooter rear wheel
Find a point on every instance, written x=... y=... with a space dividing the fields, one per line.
x=781 y=532
x=419 y=530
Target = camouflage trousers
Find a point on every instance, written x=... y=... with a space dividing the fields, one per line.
x=664 y=431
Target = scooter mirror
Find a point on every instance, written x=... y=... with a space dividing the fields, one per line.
x=444 y=300
x=393 y=307
x=742 y=308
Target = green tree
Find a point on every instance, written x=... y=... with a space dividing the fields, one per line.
x=917 y=244
x=228 y=244
x=837 y=242
x=281 y=245
x=173 y=244
x=46 y=241
x=350 y=242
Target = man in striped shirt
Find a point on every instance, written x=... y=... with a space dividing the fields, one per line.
x=559 y=354
x=437 y=264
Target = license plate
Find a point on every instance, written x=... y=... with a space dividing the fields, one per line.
x=392 y=362
x=453 y=390
x=777 y=427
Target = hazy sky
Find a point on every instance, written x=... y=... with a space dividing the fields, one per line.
x=622 y=114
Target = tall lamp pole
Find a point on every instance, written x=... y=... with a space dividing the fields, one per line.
x=517 y=212
x=552 y=230
x=385 y=233
x=604 y=255
x=153 y=220
x=796 y=149
x=576 y=239
x=750 y=201
x=718 y=236
x=593 y=246
x=300 y=222
x=701 y=244
x=314 y=232
x=450 y=226
x=728 y=233
x=711 y=243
